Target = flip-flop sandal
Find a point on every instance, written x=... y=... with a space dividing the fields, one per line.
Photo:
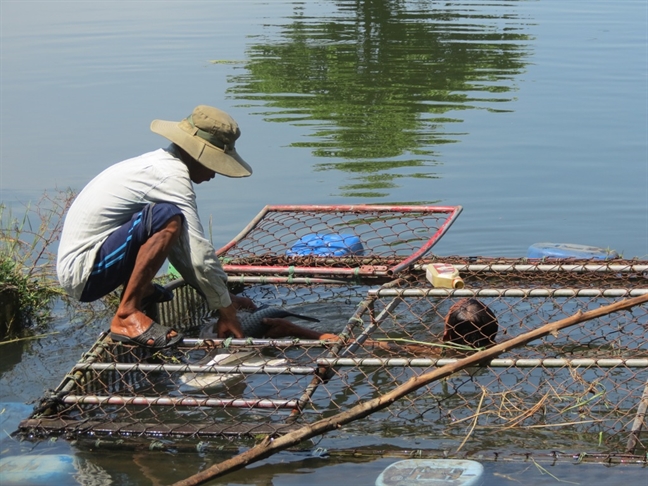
x=156 y=332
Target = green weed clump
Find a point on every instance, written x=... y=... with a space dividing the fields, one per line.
x=28 y=283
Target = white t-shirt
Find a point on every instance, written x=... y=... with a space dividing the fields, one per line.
x=110 y=200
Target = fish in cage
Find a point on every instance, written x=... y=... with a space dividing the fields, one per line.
x=213 y=381
x=273 y=322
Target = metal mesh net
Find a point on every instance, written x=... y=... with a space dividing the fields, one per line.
x=583 y=389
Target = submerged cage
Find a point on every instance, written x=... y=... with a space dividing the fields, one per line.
x=583 y=391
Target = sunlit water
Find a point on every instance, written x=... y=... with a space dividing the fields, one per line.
x=531 y=115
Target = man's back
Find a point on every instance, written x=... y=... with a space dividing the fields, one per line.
x=109 y=200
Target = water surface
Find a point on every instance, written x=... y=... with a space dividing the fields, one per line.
x=531 y=115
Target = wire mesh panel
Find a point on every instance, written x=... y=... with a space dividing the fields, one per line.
x=547 y=272
x=129 y=393
x=336 y=240
x=583 y=389
x=204 y=388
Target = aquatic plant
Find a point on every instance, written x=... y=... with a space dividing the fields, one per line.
x=28 y=284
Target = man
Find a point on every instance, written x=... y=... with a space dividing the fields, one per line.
x=139 y=212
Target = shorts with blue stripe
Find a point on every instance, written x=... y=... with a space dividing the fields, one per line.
x=115 y=260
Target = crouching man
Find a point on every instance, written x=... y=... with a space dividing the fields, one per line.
x=139 y=212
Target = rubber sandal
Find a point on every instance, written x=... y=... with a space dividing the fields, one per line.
x=156 y=332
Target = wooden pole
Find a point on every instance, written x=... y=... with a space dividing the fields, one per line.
x=638 y=423
x=270 y=446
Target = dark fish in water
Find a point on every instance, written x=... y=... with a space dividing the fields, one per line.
x=252 y=324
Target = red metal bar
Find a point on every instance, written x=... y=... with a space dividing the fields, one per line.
x=362 y=208
x=364 y=270
x=282 y=280
x=429 y=244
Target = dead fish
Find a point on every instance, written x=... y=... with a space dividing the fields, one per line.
x=252 y=324
x=204 y=381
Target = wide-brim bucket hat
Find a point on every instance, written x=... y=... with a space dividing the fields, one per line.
x=207 y=135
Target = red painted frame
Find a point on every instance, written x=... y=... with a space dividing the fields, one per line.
x=366 y=270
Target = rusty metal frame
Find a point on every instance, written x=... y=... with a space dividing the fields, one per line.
x=387 y=270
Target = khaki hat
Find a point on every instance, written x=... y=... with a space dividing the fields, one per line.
x=208 y=135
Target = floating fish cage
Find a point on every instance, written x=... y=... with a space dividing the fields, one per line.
x=582 y=392
x=361 y=242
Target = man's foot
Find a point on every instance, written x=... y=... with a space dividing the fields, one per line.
x=139 y=330
x=155 y=337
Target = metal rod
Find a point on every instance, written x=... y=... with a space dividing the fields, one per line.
x=435 y=292
x=543 y=267
x=386 y=312
x=361 y=208
x=496 y=363
x=172 y=368
x=279 y=280
x=178 y=402
x=361 y=271
x=247 y=342
x=325 y=371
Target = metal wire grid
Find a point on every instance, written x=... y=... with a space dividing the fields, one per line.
x=582 y=389
x=483 y=272
x=126 y=391
x=391 y=238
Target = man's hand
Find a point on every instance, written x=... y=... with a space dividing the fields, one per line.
x=242 y=302
x=228 y=324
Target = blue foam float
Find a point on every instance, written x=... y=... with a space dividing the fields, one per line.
x=570 y=250
x=326 y=245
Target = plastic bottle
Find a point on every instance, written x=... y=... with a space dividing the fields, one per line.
x=444 y=275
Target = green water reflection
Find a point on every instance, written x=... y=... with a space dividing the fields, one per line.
x=380 y=84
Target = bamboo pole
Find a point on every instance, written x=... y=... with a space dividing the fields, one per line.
x=270 y=445
x=639 y=421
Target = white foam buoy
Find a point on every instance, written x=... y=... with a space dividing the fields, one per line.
x=432 y=472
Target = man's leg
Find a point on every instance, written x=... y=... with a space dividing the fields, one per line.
x=131 y=256
x=129 y=319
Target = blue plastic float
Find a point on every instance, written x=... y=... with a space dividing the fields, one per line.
x=570 y=250
x=37 y=470
x=326 y=245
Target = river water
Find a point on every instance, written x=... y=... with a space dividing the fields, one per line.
x=531 y=115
